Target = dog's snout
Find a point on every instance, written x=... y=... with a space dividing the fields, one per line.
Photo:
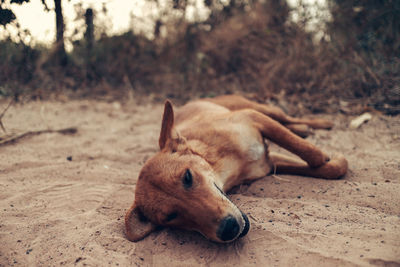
x=228 y=229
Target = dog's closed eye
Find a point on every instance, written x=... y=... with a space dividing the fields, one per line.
x=171 y=216
x=187 y=179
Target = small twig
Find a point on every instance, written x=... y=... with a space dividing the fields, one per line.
x=252 y=217
x=277 y=177
x=280 y=178
x=15 y=137
x=2 y=114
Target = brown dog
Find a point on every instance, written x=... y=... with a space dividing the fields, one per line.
x=210 y=146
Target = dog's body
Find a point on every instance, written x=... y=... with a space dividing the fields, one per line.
x=210 y=146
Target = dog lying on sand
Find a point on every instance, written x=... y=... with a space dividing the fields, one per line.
x=208 y=147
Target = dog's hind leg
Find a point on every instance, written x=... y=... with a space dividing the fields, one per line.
x=235 y=102
x=333 y=169
x=315 y=158
x=280 y=135
x=301 y=130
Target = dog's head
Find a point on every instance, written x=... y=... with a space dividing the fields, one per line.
x=178 y=188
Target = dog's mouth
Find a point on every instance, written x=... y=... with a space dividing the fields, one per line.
x=246 y=225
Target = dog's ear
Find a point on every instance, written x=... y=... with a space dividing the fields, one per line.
x=167 y=124
x=137 y=226
x=170 y=139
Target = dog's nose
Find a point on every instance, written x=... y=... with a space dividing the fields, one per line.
x=228 y=229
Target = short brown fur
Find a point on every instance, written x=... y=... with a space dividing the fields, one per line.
x=221 y=143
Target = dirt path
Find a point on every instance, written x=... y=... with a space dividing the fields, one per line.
x=63 y=197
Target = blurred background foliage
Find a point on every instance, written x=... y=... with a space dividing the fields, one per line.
x=344 y=58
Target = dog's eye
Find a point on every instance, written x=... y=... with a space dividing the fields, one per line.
x=171 y=216
x=187 y=179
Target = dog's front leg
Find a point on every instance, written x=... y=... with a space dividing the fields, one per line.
x=318 y=163
x=334 y=169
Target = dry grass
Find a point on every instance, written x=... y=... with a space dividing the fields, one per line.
x=256 y=52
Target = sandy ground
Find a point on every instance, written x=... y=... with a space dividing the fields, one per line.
x=63 y=197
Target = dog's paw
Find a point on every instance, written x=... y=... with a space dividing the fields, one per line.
x=335 y=168
x=317 y=159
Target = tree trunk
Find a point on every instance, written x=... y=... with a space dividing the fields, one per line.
x=89 y=34
x=60 y=48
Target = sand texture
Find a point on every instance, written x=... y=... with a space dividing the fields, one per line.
x=63 y=196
